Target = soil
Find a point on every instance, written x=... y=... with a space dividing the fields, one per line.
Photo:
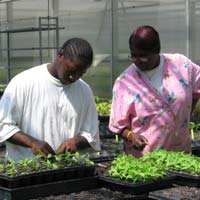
x=94 y=194
x=177 y=193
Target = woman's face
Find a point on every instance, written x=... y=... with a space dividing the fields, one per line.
x=144 y=60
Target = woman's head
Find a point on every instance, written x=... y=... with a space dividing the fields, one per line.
x=145 y=38
x=144 y=44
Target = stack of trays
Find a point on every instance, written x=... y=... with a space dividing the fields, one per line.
x=52 y=182
x=46 y=176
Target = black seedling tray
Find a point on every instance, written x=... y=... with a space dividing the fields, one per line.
x=47 y=189
x=103 y=158
x=183 y=178
x=196 y=143
x=103 y=118
x=136 y=188
x=196 y=147
x=46 y=176
x=104 y=131
x=196 y=151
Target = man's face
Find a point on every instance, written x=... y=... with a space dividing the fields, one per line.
x=70 y=70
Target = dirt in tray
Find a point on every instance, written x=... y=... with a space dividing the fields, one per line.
x=94 y=194
x=102 y=168
x=177 y=193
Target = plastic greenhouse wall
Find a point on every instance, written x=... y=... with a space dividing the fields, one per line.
x=106 y=24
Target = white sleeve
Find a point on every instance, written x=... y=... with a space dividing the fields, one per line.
x=9 y=113
x=90 y=129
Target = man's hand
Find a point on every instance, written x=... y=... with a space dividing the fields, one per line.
x=69 y=145
x=41 y=147
x=73 y=145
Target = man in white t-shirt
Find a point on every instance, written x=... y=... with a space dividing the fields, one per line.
x=49 y=109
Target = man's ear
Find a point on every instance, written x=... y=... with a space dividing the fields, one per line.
x=60 y=52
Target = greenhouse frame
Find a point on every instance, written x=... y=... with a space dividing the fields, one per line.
x=31 y=32
x=134 y=138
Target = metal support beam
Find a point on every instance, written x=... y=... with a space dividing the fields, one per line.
x=187 y=20
x=55 y=13
x=114 y=38
x=9 y=16
x=42 y=25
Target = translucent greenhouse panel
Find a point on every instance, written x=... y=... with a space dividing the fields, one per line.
x=91 y=21
x=194 y=31
x=168 y=17
x=25 y=9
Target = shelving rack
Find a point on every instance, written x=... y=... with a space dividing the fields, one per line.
x=44 y=24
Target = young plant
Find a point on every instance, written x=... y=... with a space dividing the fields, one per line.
x=103 y=105
x=153 y=165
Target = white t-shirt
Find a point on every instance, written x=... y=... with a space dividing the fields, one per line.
x=155 y=76
x=39 y=105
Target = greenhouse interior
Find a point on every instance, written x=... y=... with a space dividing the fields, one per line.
x=32 y=33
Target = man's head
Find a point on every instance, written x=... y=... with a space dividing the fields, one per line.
x=144 y=44
x=73 y=60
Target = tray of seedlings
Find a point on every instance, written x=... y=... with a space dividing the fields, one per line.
x=35 y=171
x=103 y=106
x=186 y=168
x=56 y=174
x=156 y=170
x=136 y=176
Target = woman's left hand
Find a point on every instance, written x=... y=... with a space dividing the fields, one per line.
x=138 y=141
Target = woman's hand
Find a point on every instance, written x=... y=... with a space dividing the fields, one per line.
x=138 y=141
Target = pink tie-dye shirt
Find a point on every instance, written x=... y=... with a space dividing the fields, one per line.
x=162 y=118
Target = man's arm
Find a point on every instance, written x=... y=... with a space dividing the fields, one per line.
x=37 y=146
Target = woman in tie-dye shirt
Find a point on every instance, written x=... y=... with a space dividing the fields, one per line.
x=154 y=97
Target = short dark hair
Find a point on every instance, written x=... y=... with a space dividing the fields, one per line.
x=145 y=38
x=78 y=48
